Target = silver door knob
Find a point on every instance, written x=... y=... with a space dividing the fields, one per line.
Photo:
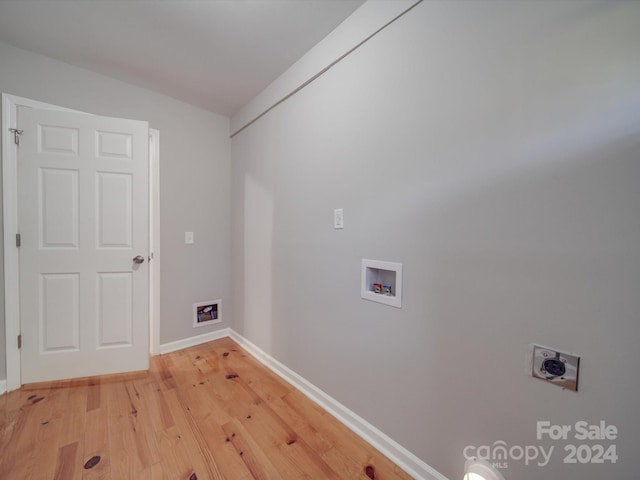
x=138 y=260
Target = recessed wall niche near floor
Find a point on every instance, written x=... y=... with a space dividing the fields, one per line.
x=382 y=282
x=207 y=313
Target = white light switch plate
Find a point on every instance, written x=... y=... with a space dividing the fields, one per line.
x=338 y=218
x=188 y=238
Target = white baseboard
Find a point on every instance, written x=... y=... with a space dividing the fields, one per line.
x=383 y=443
x=3 y=386
x=193 y=341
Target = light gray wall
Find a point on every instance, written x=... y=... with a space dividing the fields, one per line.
x=493 y=149
x=3 y=359
x=194 y=177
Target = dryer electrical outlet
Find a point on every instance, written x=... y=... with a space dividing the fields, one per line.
x=556 y=367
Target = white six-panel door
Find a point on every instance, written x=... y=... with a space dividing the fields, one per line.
x=83 y=218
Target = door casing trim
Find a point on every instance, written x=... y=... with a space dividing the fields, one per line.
x=10 y=104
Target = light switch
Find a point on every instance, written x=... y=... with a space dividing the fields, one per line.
x=338 y=218
x=188 y=238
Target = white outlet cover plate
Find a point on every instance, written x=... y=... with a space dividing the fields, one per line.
x=556 y=367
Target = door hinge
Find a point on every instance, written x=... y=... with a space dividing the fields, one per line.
x=20 y=341
x=18 y=240
x=16 y=135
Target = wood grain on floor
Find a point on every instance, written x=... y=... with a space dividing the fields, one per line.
x=207 y=412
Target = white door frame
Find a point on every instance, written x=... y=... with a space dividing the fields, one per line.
x=10 y=104
x=154 y=241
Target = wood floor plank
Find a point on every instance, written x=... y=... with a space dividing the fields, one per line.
x=316 y=439
x=271 y=433
x=18 y=457
x=256 y=460
x=160 y=413
x=203 y=461
x=96 y=455
x=67 y=467
x=47 y=441
x=207 y=412
x=175 y=460
x=262 y=381
x=228 y=461
x=124 y=459
x=93 y=395
x=154 y=472
x=347 y=453
x=125 y=462
x=133 y=425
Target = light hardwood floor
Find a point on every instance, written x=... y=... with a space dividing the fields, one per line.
x=207 y=412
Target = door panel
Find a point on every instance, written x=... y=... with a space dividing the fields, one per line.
x=114 y=145
x=114 y=197
x=59 y=220
x=58 y=140
x=60 y=312
x=83 y=217
x=115 y=309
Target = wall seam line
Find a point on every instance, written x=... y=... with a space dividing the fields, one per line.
x=324 y=70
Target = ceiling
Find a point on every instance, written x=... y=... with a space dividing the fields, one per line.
x=216 y=54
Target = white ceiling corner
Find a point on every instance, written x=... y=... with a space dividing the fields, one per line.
x=216 y=54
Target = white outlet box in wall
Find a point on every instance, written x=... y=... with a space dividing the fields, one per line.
x=382 y=282
x=207 y=313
